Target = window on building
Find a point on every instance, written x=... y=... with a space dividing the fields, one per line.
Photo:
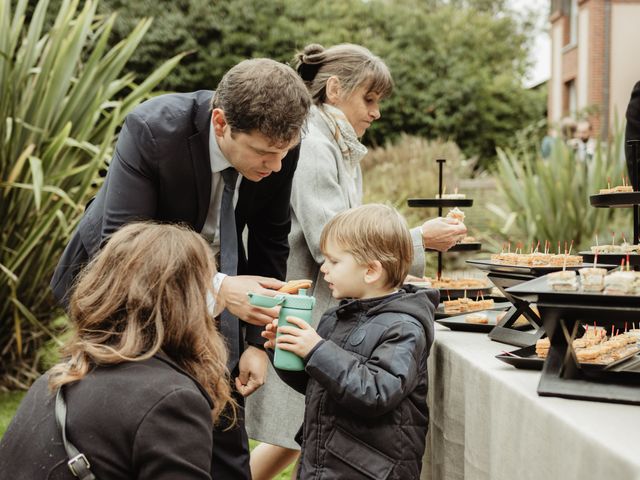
x=573 y=23
x=570 y=99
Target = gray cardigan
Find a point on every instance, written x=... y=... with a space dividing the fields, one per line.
x=321 y=186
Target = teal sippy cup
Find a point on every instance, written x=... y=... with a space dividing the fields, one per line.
x=300 y=306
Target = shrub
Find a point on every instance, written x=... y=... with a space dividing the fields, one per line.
x=63 y=96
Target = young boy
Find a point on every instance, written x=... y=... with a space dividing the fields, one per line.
x=365 y=376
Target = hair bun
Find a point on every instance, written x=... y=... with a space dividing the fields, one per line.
x=311 y=50
x=310 y=61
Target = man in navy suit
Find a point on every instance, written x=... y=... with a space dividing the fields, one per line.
x=167 y=167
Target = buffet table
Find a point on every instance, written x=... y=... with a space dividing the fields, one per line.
x=488 y=422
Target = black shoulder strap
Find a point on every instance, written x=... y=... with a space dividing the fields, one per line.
x=78 y=463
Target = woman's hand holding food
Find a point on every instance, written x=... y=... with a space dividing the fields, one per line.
x=442 y=233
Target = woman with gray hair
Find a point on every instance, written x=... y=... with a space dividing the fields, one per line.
x=347 y=83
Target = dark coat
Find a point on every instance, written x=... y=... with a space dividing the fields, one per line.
x=136 y=420
x=633 y=125
x=365 y=386
x=161 y=171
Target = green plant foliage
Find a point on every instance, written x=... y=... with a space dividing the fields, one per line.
x=549 y=199
x=458 y=65
x=63 y=96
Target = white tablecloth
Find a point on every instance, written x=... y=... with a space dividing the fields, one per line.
x=488 y=422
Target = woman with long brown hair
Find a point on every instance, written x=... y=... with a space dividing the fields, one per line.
x=143 y=372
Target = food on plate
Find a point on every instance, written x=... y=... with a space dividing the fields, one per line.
x=542 y=347
x=537 y=259
x=468 y=239
x=617 y=189
x=621 y=283
x=592 y=279
x=462 y=305
x=595 y=347
x=564 y=280
x=456 y=214
x=622 y=248
x=293 y=286
x=459 y=283
x=478 y=318
x=451 y=196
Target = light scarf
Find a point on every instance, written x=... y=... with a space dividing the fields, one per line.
x=345 y=136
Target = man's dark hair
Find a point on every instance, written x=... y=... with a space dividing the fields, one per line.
x=265 y=96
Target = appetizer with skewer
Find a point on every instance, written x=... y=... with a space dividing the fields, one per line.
x=596 y=348
x=624 y=188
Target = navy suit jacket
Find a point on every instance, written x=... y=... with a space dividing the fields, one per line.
x=161 y=171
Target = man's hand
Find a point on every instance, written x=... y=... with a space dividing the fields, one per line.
x=442 y=233
x=253 y=371
x=233 y=293
x=300 y=340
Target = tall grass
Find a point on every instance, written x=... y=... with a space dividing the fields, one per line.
x=63 y=96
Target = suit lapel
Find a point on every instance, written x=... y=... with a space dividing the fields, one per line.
x=199 y=148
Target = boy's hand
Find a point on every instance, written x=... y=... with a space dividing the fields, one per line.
x=269 y=333
x=299 y=340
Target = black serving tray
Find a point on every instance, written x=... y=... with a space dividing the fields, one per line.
x=624 y=199
x=453 y=293
x=497 y=305
x=523 y=358
x=439 y=202
x=535 y=271
x=461 y=247
x=457 y=322
x=526 y=359
x=537 y=291
x=611 y=258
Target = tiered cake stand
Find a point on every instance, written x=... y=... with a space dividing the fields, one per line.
x=622 y=200
x=562 y=314
x=441 y=203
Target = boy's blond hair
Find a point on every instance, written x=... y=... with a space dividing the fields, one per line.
x=373 y=232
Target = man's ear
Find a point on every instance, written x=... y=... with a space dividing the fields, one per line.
x=374 y=272
x=219 y=121
x=333 y=89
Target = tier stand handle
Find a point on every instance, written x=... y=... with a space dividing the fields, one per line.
x=441 y=162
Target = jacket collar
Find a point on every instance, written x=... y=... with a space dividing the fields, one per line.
x=199 y=148
x=164 y=358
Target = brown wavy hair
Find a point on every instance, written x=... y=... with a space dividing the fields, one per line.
x=147 y=292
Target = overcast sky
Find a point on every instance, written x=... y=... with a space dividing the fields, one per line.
x=541 y=51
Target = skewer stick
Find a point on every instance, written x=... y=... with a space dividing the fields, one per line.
x=570 y=247
x=597 y=244
x=595 y=259
x=627 y=262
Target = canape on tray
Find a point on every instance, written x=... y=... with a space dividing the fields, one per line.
x=595 y=347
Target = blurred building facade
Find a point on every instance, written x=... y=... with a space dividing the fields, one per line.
x=595 y=59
